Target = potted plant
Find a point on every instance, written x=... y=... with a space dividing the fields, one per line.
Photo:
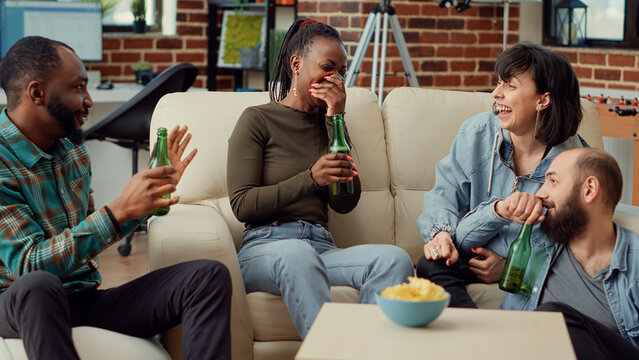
x=138 y=9
x=141 y=68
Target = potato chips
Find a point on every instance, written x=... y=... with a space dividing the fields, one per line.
x=417 y=289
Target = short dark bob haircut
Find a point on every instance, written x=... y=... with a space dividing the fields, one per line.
x=551 y=73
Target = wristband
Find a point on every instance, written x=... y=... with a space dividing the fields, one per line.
x=115 y=222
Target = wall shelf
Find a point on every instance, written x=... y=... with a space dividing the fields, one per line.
x=270 y=10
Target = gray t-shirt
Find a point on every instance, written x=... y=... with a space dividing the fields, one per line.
x=568 y=283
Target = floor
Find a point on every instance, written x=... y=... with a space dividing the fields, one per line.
x=117 y=269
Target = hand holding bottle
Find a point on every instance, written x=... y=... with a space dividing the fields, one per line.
x=333 y=167
x=144 y=193
x=520 y=207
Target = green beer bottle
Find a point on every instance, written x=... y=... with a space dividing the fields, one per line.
x=340 y=145
x=517 y=261
x=160 y=158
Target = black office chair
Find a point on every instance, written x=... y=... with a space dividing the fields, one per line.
x=128 y=126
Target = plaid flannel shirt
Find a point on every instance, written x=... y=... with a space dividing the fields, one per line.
x=47 y=217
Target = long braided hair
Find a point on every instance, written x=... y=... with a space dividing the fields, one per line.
x=297 y=41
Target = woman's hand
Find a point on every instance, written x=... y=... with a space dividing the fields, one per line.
x=176 y=144
x=333 y=167
x=487 y=266
x=520 y=207
x=441 y=247
x=332 y=92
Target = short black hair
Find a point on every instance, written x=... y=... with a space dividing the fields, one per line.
x=32 y=58
x=600 y=164
x=551 y=73
x=297 y=41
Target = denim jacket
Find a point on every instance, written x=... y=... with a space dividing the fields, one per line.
x=476 y=173
x=621 y=283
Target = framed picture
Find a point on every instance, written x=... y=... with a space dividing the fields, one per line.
x=242 y=40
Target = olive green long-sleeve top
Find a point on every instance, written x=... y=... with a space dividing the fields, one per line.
x=271 y=152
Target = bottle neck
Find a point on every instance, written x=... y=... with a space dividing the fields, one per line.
x=525 y=231
x=338 y=129
x=160 y=147
x=161 y=144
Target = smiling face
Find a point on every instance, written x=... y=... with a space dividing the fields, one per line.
x=517 y=101
x=67 y=99
x=566 y=216
x=325 y=57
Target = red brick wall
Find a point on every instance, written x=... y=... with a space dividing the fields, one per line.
x=449 y=50
x=617 y=69
x=121 y=50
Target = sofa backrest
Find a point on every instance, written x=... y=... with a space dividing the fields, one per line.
x=420 y=125
x=372 y=221
x=395 y=149
x=211 y=117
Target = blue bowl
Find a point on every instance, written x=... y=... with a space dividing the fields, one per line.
x=411 y=313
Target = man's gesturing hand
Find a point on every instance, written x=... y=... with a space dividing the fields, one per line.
x=176 y=144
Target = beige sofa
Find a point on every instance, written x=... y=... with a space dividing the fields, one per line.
x=96 y=344
x=395 y=149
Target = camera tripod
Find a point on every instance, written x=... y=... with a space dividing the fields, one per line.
x=373 y=24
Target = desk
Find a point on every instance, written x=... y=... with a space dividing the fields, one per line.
x=356 y=331
x=104 y=101
x=120 y=93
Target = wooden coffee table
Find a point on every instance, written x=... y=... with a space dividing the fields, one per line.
x=356 y=331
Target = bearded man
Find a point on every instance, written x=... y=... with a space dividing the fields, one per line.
x=589 y=270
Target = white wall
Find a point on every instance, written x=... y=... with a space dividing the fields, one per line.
x=111 y=167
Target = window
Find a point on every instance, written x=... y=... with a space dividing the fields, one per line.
x=609 y=23
x=120 y=18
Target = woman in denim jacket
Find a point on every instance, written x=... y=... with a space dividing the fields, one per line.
x=486 y=184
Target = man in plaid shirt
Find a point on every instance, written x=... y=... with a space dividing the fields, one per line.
x=51 y=234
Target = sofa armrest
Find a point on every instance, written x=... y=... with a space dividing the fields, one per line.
x=191 y=232
x=627 y=216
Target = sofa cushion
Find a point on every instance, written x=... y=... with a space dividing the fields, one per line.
x=485 y=296
x=212 y=116
x=96 y=344
x=414 y=117
x=271 y=320
x=366 y=129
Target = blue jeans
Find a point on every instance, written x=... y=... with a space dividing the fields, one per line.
x=299 y=261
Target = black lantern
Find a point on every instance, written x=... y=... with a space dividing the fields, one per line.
x=571 y=22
